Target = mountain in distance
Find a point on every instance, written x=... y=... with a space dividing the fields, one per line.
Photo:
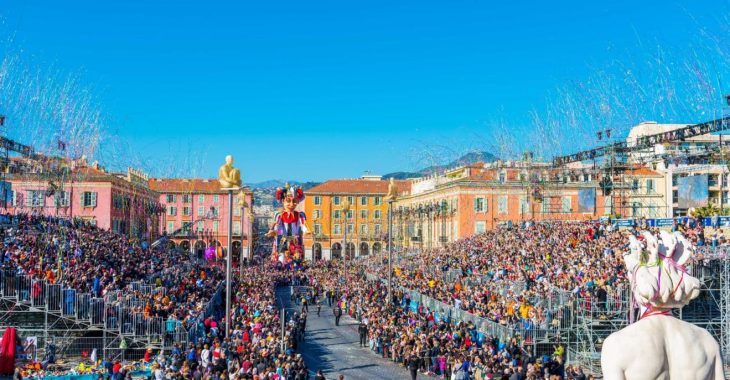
x=467 y=159
x=274 y=183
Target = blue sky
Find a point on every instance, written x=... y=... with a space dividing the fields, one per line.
x=315 y=90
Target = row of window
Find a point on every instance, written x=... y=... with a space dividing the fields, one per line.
x=337 y=229
x=37 y=198
x=337 y=214
x=188 y=211
x=337 y=200
x=199 y=226
x=188 y=198
x=649 y=189
x=482 y=204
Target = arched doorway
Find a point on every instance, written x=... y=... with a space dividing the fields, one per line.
x=236 y=249
x=336 y=251
x=171 y=244
x=364 y=249
x=316 y=252
x=376 y=248
x=185 y=246
x=199 y=249
x=350 y=251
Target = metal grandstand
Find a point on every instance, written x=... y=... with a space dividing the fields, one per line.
x=77 y=322
x=581 y=324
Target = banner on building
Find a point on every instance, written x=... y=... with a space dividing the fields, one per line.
x=692 y=191
x=587 y=200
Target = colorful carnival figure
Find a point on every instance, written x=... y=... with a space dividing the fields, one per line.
x=289 y=227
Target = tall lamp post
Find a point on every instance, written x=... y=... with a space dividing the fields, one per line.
x=314 y=239
x=392 y=194
x=230 y=180
x=250 y=234
x=243 y=205
x=346 y=209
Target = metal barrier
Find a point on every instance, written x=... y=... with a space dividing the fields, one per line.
x=23 y=286
x=83 y=301
x=69 y=302
x=539 y=338
x=115 y=312
x=38 y=293
x=97 y=314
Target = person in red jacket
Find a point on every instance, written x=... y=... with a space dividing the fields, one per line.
x=147 y=356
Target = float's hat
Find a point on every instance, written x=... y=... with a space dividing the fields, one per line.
x=295 y=192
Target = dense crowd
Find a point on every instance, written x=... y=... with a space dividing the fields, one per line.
x=581 y=260
x=86 y=259
x=422 y=341
x=254 y=348
x=520 y=277
x=504 y=276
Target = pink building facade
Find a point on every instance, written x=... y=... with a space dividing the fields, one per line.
x=120 y=202
x=196 y=216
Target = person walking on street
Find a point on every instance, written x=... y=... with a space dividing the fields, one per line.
x=338 y=314
x=305 y=306
x=413 y=364
x=363 y=330
x=319 y=375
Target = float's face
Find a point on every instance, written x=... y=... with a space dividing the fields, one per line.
x=289 y=203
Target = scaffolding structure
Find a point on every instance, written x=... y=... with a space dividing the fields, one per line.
x=76 y=322
x=595 y=321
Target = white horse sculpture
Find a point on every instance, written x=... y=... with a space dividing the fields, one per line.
x=659 y=346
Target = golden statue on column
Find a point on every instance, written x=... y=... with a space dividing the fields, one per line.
x=228 y=176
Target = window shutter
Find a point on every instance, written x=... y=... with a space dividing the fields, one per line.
x=476 y=204
x=93 y=199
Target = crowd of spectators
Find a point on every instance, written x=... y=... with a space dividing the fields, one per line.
x=522 y=276
x=503 y=276
x=86 y=259
x=423 y=341
x=519 y=277
x=506 y=276
x=254 y=349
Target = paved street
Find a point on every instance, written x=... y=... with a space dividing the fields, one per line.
x=335 y=350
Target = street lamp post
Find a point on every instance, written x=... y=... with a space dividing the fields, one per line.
x=346 y=208
x=390 y=252
x=230 y=180
x=229 y=258
x=243 y=205
x=392 y=195
x=250 y=235
x=314 y=239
